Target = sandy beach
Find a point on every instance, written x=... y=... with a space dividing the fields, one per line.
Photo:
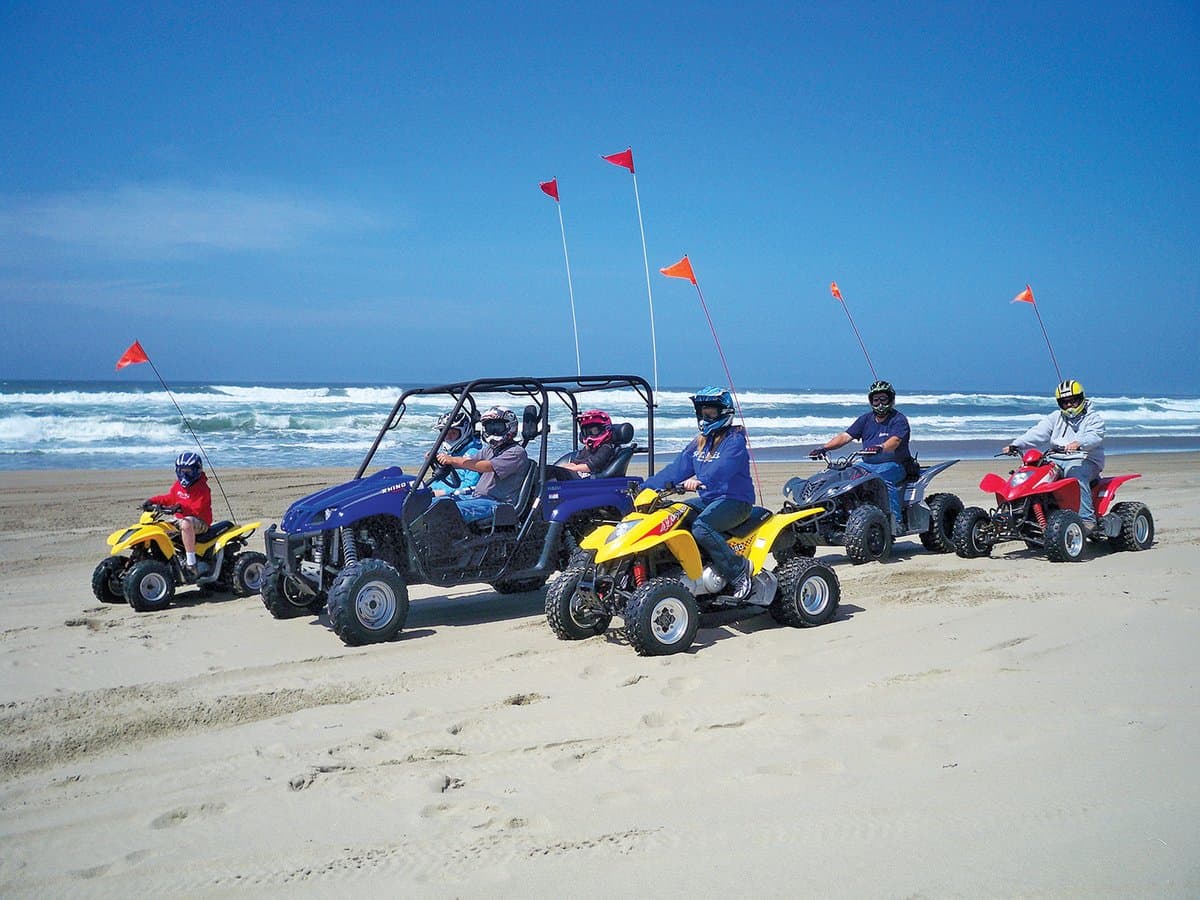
x=995 y=727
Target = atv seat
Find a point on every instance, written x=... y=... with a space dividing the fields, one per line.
x=758 y=515
x=215 y=530
x=623 y=438
x=509 y=515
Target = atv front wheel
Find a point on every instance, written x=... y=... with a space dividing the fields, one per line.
x=106 y=579
x=149 y=585
x=661 y=618
x=368 y=603
x=943 y=510
x=566 y=618
x=1137 y=526
x=284 y=599
x=1065 y=538
x=809 y=593
x=970 y=533
x=868 y=535
x=249 y=572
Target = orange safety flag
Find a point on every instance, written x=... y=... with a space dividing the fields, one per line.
x=624 y=159
x=681 y=269
x=1026 y=296
x=835 y=290
x=135 y=354
x=550 y=187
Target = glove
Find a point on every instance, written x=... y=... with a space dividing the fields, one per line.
x=816 y=453
x=147 y=505
x=872 y=450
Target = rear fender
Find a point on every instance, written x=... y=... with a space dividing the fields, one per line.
x=240 y=533
x=915 y=492
x=763 y=539
x=1106 y=489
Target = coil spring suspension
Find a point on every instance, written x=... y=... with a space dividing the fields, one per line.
x=1040 y=513
x=639 y=573
x=349 y=547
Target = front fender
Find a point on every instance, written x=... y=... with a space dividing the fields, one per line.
x=120 y=541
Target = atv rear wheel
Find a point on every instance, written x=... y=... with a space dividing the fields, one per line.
x=567 y=620
x=368 y=603
x=661 y=618
x=970 y=533
x=249 y=572
x=149 y=585
x=868 y=535
x=1137 y=527
x=519 y=585
x=284 y=599
x=1065 y=537
x=106 y=579
x=943 y=510
x=808 y=595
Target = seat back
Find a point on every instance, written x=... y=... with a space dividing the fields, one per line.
x=530 y=426
x=623 y=438
x=514 y=514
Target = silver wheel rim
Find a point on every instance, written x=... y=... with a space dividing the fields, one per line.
x=153 y=587
x=580 y=614
x=252 y=575
x=1073 y=539
x=814 y=595
x=375 y=605
x=669 y=620
x=1141 y=529
x=977 y=534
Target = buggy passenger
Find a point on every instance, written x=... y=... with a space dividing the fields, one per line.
x=501 y=466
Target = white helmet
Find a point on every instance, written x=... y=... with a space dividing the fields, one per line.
x=499 y=425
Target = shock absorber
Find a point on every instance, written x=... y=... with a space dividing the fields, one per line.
x=1041 y=515
x=639 y=572
x=349 y=548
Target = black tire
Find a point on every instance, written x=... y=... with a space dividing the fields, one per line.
x=284 y=599
x=368 y=603
x=661 y=618
x=519 y=585
x=1137 y=527
x=868 y=535
x=149 y=585
x=1065 y=537
x=249 y=573
x=943 y=510
x=809 y=593
x=567 y=621
x=970 y=540
x=106 y=579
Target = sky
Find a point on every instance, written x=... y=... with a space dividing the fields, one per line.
x=337 y=193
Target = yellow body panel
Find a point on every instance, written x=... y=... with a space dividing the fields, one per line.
x=760 y=541
x=162 y=533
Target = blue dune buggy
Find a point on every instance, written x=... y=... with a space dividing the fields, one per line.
x=353 y=549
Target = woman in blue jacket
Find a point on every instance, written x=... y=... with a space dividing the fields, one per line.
x=716 y=464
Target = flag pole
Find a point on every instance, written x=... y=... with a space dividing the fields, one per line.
x=649 y=296
x=1047 y=337
x=570 y=288
x=838 y=296
x=188 y=425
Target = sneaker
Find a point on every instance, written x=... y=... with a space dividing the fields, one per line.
x=1088 y=527
x=743 y=583
x=189 y=572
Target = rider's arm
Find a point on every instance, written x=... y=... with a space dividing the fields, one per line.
x=840 y=440
x=680 y=468
x=1039 y=434
x=1091 y=434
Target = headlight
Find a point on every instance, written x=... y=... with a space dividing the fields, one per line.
x=620 y=531
x=1020 y=478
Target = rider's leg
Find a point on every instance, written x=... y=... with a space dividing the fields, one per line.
x=187 y=531
x=892 y=473
x=475 y=509
x=1085 y=472
x=716 y=517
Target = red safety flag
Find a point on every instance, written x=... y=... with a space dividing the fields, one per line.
x=1026 y=296
x=681 y=269
x=135 y=354
x=835 y=290
x=550 y=188
x=624 y=159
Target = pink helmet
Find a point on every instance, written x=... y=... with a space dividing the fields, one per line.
x=595 y=427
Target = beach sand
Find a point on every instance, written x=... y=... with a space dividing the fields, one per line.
x=994 y=727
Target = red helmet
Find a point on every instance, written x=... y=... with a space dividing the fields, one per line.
x=595 y=427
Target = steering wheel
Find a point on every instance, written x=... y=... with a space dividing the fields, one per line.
x=446 y=474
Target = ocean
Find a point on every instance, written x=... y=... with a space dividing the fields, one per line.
x=127 y=424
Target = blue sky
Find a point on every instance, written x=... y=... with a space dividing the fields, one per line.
x=311 y=192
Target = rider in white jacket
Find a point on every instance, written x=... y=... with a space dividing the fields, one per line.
x=1075 y=427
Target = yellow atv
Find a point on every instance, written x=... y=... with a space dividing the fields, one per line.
x=148 y=575
x=648 y=569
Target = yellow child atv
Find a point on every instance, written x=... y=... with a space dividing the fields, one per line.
x=648 y=569
x=148 y=575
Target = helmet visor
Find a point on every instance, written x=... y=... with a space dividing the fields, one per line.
x=187 y=474
x=495 y=427
x=594 y=430
x=709 y=412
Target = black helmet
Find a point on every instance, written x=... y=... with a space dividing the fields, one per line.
x=882 y=387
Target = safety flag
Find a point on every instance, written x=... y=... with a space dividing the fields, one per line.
x=835 y=290
x=1026 y=296
x=135 y=354
x=681 y=269
x=623 y=159
x=550 y=188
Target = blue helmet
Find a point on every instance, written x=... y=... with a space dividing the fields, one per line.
x=713 y=397
x=188 y=468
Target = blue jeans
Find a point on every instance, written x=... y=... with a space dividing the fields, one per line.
x=716 y=517
x=472 y=509
x=892 y=473
x=1085 y=472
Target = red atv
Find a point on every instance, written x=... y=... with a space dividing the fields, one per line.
x=1035 y=504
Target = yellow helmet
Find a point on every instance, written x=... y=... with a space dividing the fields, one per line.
x=1071 y=398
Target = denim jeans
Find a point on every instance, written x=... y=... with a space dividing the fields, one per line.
x=892 y=473
x=1084 y=471
x=716 y=517
x=474 y=509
